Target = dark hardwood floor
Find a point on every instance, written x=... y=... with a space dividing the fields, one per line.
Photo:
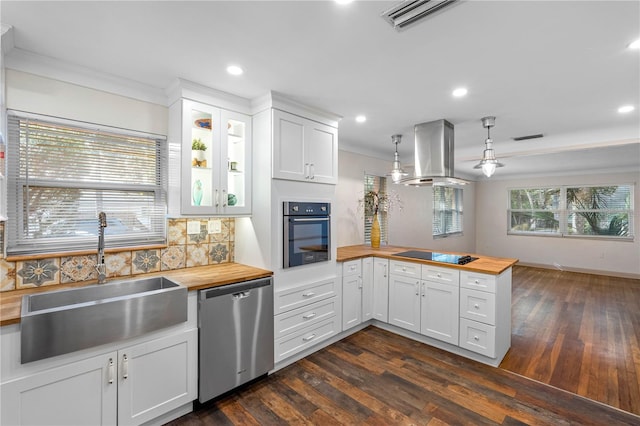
x=576 y=332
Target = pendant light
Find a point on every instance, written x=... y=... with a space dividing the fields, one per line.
x=397 y=173
x=488 y=163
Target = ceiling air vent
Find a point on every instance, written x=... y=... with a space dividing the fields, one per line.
x=408 y=12
x=524 y=138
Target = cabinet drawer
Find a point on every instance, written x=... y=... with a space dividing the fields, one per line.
x=441 y=275
x=305 y=316
x=478 y=281
x=478 y=306
x=353 y=267
x=296 y=297
x=478 y=337
x=406 y=269
x=292 y=344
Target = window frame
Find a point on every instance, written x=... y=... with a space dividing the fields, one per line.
x=564 y=212
x=20 y=242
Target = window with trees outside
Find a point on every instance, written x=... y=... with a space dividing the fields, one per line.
x=589 y=211
x=62 y=173
x=447 y=211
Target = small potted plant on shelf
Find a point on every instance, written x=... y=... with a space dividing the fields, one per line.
x=197 y=149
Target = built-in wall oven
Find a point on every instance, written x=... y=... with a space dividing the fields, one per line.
x=307 y=233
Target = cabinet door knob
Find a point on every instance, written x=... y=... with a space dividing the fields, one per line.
x=438 y=275
x=477 y=281
x=476 y=306
x=476 y=338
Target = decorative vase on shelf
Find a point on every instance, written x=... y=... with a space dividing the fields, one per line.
x=375 y=233
x=197 y=192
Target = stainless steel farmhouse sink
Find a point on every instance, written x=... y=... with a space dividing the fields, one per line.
x=59 y=322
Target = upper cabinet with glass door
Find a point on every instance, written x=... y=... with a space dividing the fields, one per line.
x=216 y=161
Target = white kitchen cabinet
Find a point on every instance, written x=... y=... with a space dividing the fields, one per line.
x=404 y=302
x=368 y=296
x=351 y=293
x=303 y=149
x=380 y=289
x=80 y=393
x=439 y=311
x=156 y=377
x=133 y=385
x=216 y=181
x=305 y=315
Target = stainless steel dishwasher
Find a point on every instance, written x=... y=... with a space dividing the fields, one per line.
x=235 y=324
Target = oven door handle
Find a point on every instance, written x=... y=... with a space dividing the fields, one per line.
x=309 y=219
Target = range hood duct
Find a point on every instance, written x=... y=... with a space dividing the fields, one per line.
x=434 y=158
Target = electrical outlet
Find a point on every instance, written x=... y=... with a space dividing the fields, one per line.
x=215 y=226
x=193 y=227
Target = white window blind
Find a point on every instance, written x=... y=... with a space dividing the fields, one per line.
x=63 y=173
x=447 y=211
x=379 y=185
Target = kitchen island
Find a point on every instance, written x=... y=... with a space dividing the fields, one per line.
x=461 y=308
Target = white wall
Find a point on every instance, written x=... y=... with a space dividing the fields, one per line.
x=577 y=254
x=32 y=93
x=411 y=227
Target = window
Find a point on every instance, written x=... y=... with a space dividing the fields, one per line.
x=594 y=211
x=64 y=173
x=379 y=185
x=447 y=211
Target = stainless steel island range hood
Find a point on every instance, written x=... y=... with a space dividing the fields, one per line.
x=433 y=155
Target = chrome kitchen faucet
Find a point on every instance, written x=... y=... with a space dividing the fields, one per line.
x=101 y=267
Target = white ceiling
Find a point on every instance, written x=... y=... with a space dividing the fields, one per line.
x=559 y=68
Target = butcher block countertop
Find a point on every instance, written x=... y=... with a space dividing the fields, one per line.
x=484 y=264
x=193 y=278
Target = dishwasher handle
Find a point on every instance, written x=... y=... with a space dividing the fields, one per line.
x=235 y=289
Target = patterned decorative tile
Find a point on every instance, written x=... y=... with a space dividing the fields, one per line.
x=177 y=234
x=173 y=257
x=219 y=253
x=232 y=252
x=223 y=236
x=37 y=273
x=144 y=261
x=232 y=229
x=118 y=264
x=201 y=237
x=7 y=275
x=78 y=268
x=197 y=255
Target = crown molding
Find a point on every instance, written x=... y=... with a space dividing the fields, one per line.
x=45 y=66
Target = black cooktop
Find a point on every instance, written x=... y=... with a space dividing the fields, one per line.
x=437 y=257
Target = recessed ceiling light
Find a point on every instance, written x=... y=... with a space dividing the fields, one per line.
x=234 y=70
x=459 y=92
x=361 y=119
x=626 y=108
x=634 y=44
x=343 y=1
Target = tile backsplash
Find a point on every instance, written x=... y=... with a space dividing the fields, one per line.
x=183 y=251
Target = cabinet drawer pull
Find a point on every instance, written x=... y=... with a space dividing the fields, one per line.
x=309 y=294
x=438 y=275
x=476 y=306
x=125 y=367
x=477 y=281
x=111 y=370
x=306 y=339
x=417 y=288
x=476 y=338
x=404 y=269
x=312 y=173
x=309 y=316
x=224 y=198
